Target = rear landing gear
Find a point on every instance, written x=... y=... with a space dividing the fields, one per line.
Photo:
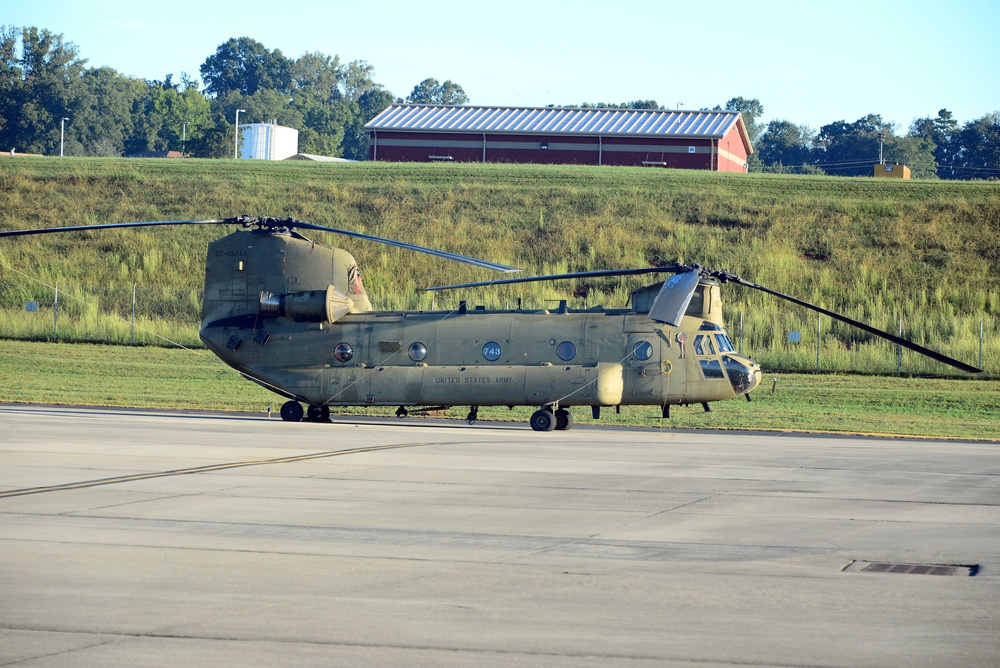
x=291 y=411
x=473 y=415
x=318 y=413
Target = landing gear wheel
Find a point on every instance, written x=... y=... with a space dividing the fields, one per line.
x=543 y=420
x=564 y=419
x=473 y=415
x=401 y=412
x=318 y=413
x=291 y=411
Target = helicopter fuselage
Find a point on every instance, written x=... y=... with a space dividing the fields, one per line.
x=490 y=358
x=292 y=315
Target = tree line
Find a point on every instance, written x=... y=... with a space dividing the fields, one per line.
x=50 y=101
x=43 y=81
x=931 y=147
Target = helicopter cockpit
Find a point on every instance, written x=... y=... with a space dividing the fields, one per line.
x=711 y=346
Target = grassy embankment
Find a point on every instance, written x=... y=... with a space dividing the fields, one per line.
x=194 y=379
x=875 y=250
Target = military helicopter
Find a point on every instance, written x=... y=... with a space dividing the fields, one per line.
x=292 y=314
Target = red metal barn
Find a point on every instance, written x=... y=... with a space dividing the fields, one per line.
x=711 y=140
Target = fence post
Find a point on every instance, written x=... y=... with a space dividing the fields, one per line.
x=55 y=316
x=133 y=314
x=899 y=351
x=819 y=338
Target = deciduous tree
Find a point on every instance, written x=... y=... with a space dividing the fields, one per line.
x=942 y=131
x=784 y=143
x=41 y=76
x=246 y=66
x=978 y=154
x=430 y=91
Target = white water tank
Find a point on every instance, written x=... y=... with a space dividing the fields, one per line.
x=268 y=141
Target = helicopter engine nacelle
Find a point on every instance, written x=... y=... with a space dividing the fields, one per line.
x=306 y=306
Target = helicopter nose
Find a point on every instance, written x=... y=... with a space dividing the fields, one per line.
x=744 y=374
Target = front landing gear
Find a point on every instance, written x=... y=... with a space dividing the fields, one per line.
x=543 y=420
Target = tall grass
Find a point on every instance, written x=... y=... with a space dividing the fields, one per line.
x=926 y=252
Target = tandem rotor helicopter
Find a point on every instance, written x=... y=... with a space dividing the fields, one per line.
x=292 y=315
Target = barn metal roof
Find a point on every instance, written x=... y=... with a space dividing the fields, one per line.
x=561 y=120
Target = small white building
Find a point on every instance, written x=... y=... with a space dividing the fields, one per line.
x=268 y=141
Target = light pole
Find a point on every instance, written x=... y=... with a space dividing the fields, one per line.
x=62 y=136
x=679 y=105
x=184 y=134
x=236 y=141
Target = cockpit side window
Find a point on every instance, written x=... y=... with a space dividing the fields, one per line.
x=725 y=344
x=703 y=345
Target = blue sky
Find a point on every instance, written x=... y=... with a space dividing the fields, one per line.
x=809 y=62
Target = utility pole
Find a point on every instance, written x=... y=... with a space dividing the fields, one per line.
x=881 y=143
x=184 y=134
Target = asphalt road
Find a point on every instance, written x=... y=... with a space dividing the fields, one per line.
x=142 y=538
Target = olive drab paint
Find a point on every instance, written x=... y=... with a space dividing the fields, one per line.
x=290 y=314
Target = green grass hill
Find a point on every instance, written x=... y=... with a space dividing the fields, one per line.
x=877 y=250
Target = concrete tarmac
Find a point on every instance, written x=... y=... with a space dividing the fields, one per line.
x=145 y=538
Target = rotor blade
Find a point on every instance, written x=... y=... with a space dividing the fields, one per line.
x=860 y=325
x=673 y=269
x=673 y=299
x=108 y=226
x=413 y=247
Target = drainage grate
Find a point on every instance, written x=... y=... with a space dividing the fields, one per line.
x=912 y=569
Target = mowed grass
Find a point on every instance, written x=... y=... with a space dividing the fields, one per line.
x=152 y=377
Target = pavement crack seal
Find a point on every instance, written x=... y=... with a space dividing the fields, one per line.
x=204 y=469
